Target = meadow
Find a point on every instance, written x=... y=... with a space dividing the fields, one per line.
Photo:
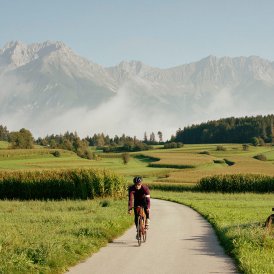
x=238 y=220
x=49 y=236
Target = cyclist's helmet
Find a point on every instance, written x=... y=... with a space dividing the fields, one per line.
x=137 y=180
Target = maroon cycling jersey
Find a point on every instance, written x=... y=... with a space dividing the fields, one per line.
x=141 y=196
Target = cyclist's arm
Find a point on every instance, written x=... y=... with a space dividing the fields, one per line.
x=147 y=196
x=130 y=198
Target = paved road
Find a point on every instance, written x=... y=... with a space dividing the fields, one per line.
x=179 y=241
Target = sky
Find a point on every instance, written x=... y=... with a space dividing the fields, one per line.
x=157 y=32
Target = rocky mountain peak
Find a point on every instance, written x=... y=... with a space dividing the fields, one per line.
x=17 y=53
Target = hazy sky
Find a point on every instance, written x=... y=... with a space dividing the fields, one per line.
x=159 y=33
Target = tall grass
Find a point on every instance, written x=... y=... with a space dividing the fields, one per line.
x=49 y=236
x=61 y=184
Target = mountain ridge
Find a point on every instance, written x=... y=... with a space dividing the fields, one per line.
x=47 y=83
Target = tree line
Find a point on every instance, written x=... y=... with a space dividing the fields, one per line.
x=256 y=130
x=229 y=130
x=18 y=139
x=71 y=141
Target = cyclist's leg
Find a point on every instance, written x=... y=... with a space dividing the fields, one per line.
x=135 y=217
x=146 y=212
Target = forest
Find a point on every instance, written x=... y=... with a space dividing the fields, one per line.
x=229 y=130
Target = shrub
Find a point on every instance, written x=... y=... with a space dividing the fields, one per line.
x=260 y=157
x=219 y=161
x=261 y=141
x=56 y=153
x=245 y=147
x=173 y=145
x=220 y=148
x=228 y=162
x=254 y=141
x=105 y=203
x=125 y=157
x=204 y=152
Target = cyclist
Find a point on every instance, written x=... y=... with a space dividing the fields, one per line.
x=141 y=195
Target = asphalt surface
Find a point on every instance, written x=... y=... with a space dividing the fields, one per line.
x=179 y=241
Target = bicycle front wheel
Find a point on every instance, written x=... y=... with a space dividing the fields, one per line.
x=145 y=236
x=139 y=231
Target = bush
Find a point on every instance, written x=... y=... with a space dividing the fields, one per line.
x=254 y=141
x=56 y=153
x=105 y=203
x=219 y=161
x=125 y=157
x=228 y=162
x=260 y=157
x=173 y=145
x=220 y=148
x=245 y=147
x=204 y=152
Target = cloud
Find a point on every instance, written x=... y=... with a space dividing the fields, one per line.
x=127 y=113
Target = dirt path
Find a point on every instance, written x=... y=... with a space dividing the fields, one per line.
x=179 y=241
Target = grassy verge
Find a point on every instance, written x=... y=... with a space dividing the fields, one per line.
x=48 y=237
x=238 y=220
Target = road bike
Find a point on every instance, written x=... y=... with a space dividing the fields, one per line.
x=141 y=227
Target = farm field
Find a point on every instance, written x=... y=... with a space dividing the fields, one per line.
x=239 y=222
x=28 y=159
x=212 y=162
x=186 y=165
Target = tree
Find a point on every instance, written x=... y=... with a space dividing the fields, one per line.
x=152 y=138
x=4 y=133
x=21 y=139
x=145 y=137
x=125 y=157
x=255 y=141
x=160 y=135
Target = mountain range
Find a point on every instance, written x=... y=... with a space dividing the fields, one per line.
x=48 y=88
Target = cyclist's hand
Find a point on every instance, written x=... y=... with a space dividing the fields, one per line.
x=129 y=211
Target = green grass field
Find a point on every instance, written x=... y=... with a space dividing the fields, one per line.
x=50 y=236
x=238 y=220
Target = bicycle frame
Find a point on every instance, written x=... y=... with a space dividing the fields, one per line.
x=141 y=231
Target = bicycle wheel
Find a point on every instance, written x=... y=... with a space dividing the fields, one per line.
x=139 y=231
x=144 y=231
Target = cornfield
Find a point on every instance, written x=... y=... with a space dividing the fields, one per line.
x=28 y=153
x=61 y=184
x=233 y=183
